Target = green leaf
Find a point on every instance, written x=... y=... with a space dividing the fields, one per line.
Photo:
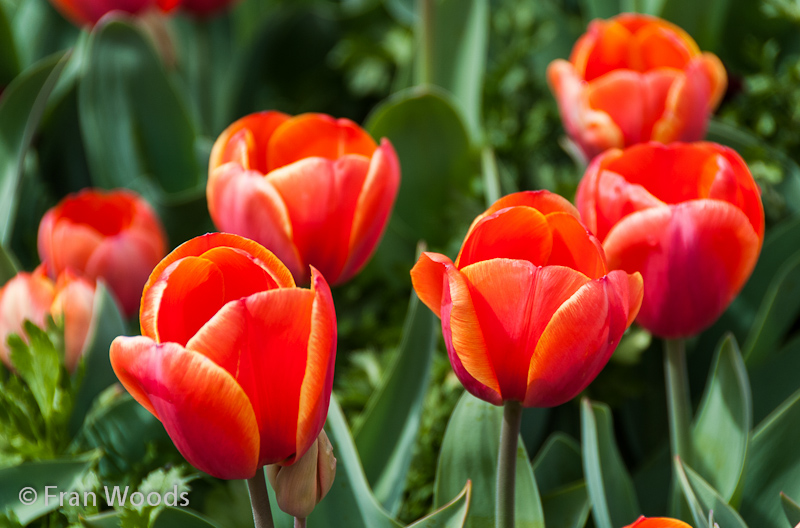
x=721 y=430
x=600 y=8
x=704 y=21
x=21 y=108
x=451 y=515
x=459 y=49
x=9 y=62
x=609 y=484
x=703 y=498
x=103 y=520
x=775 y=380
x=558 y=469
x=469 y=452
x=106 y=324
x=388 y=434
x=350 y=502
x=791 y=509
x=8 y=265
x=182 y=518
x=404 y=11
x=136 y=128
x=777 y=313
x=63 y=474
x=773 y=466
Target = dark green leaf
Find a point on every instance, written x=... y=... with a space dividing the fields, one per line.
x=703 y=498
x=9 y=63
x=8 y=265
x=403 y=10
x=609 y=484
x=21 y=108
x=63 y=474
x=791 y=509
x=775 y=380
x=773 y=466
x=182 y=518
x=451 y=515
x=53 y=32
x=103 y=520
x=469 y=452
x=558 y=469
x=388 y=433
x=702 y=20
x=721 y=430
x=600 y=8
x=97 y=374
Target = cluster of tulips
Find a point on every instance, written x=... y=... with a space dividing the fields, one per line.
x=238 y=328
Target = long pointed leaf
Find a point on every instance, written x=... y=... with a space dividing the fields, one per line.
x=703 y=499
x=451 y=515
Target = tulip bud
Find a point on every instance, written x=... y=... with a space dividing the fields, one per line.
x=301 y=486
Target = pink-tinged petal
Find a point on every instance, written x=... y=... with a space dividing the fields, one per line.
x=574 y=247
x=73 y=306
x=373 y=208
x=513 y=233
x=694 y=258
x=616 y=198
x=586 y=195
x=748 y=194
x=245 y=203
x=203 y=409
x=315 y=393
x=71 y=246
x=578 y=341
x=321 y=198
x=428 y=279
x=245 y=141
x=317 y=135
x=26 y=296
x=513 y=301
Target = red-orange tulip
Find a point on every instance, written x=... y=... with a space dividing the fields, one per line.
x=88 y=12
x=33 y=296
x=312 y=189
x=635 y=78
x=112 y=235
x=234 y=359
x=687 y=216
x=529 y=312
x=658 y=522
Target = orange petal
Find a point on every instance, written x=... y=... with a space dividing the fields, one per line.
x=658 y=522
x=657 y=46
x=427 y=277
x=513 y=302
x=74 y=305
x=610 y=50
x=620 y=94
x=543 y=201
x=574 y=247
x=586 y=194
x=204 y=410
x=245 y=141
x=317 y=135
x=515 y=233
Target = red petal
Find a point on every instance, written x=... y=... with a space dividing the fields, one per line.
x=204 y=410
x=610 y=50
x=427 y=277
x=621 y=95
x=245 y=141
x=656 y=46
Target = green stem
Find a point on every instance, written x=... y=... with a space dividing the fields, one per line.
x=259 y=498
x=507 y=464
x=678 y=402
x=491 y=178
x=299 y=522
x=425 y=10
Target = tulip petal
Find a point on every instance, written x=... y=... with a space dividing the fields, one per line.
x=245 y=141
x=656 y=46
x=243 y=275
x=514 y=301
x=74 y=305
x=427 y=277
x=616 y=198
x=610 y=49
x=658 y=522
x=203 y=409
x=545 y=202
x=620 y=94
x=70 y=247
x=25 y=296
x=694 y=258
x=574 y=247
x=316 y=135
x=515 y=233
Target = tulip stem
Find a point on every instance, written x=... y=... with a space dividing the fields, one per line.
x=299 y=522
x=425 y=39
x=259 y=498
x=678 y=402
x=507 y=464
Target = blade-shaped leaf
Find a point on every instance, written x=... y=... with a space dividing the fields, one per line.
x=9 y=62
x=103 y=520
x=182 y=518
x=703 y=498
x=558 y=469
x=721 y=430
x=775 y=380
x=773 y=466
x=8 y=265
x=702 y=20
x=451 y=515
x=469 y=452
x=791 y=509
x=21 y=108
x=609 y=484
x=388 y=434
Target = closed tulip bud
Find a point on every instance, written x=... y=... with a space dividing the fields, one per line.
x=113 y=235
x=314 y=190
x=529 y=311
x=635 y=78
x=88 y=12
x=301 y=486
x=657 y=522
x=688 y=217
x=234 y=359
x=34 y=297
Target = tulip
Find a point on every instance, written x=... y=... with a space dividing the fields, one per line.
x=657 y=522
x=34 y=297
x=529 y=311
x=234 y=359
x=301 y=486
x=688 y=217
x=113 y=235
x=635 y=78
x=314 y=190
x=88 y=12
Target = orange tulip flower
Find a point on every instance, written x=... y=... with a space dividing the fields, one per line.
x=312 y=189
x=234 y=359
x=687 y=216
x=113 y=235
x=33 y=296
x=88 y=12
x=529 y=311
x=657 y=522
x=635 y=78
